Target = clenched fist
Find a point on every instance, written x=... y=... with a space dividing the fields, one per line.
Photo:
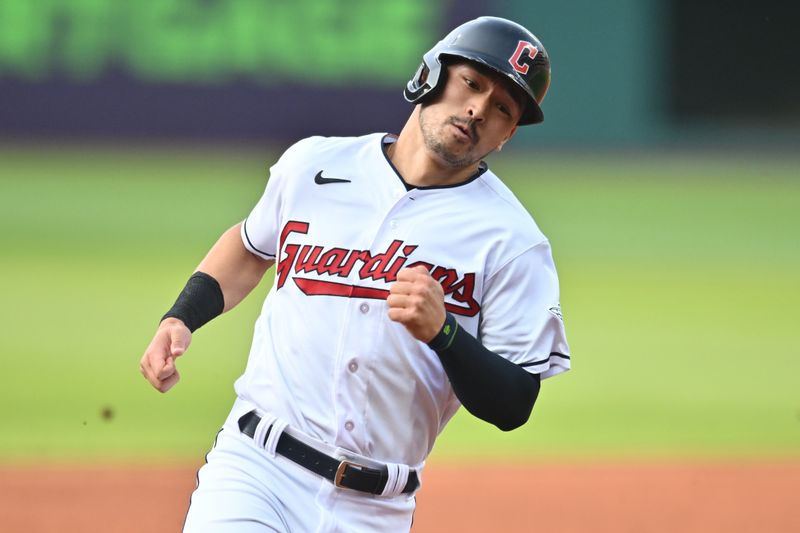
x=158 y=362
x=416 y=300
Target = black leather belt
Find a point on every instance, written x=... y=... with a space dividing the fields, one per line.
x=341 y=473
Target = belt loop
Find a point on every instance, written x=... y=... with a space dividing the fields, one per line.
x=396 y=482
x=270 y=445
x=263 y=431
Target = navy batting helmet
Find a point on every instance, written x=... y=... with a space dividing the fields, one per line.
x=500 y=44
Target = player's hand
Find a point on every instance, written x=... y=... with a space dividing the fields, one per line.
x=158 y=362
x=416 y=300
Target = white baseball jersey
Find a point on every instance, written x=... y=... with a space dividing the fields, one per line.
x=340 y=223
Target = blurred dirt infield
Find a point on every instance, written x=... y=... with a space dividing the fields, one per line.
x=666 y=497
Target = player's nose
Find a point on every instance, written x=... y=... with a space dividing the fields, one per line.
x=477 y=106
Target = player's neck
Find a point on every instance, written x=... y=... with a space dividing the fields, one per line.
x=417 y=165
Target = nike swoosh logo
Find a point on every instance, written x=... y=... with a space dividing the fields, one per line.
x=319 y=180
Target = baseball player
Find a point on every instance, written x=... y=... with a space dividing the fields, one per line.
x=409 y=281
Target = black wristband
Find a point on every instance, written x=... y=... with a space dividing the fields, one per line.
x=444 y=338
x=199 y=301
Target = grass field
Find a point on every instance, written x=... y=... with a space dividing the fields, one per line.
x=680 y=290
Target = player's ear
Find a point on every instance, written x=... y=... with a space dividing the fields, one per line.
x=508 y=137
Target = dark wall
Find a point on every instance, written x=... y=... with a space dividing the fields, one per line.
x=734 y=60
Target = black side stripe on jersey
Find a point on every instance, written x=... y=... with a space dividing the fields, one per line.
x=251 y=242
x=553 y=354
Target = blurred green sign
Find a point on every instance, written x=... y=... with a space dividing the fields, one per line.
x=215 y=41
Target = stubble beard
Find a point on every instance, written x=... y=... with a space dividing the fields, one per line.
x=434 y=141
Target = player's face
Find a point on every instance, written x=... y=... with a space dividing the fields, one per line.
x=472 y=116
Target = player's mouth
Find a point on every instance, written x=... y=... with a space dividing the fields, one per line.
x=465 y=131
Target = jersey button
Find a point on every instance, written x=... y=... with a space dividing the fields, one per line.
x=353 y=366
x=364 y=307
x=349 y=425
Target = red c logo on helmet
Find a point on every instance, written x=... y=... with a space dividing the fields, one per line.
x=523 y=47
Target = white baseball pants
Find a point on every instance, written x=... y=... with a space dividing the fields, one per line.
x=243 y=489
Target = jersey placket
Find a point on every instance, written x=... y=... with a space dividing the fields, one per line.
x=360 y=346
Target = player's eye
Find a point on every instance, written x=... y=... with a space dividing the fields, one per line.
x=504 y=109
x=469 y=82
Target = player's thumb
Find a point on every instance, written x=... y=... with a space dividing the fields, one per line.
x=178 y=344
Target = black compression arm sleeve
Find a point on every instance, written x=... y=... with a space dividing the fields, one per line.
x=199 y=301
x=487 y=385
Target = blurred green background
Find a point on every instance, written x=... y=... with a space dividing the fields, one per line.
x=679 y=274
x=666 y=176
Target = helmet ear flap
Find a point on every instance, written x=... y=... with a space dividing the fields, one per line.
x=425 y=80
x=416 y=86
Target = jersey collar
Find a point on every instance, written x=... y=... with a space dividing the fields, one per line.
x=390 y=138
